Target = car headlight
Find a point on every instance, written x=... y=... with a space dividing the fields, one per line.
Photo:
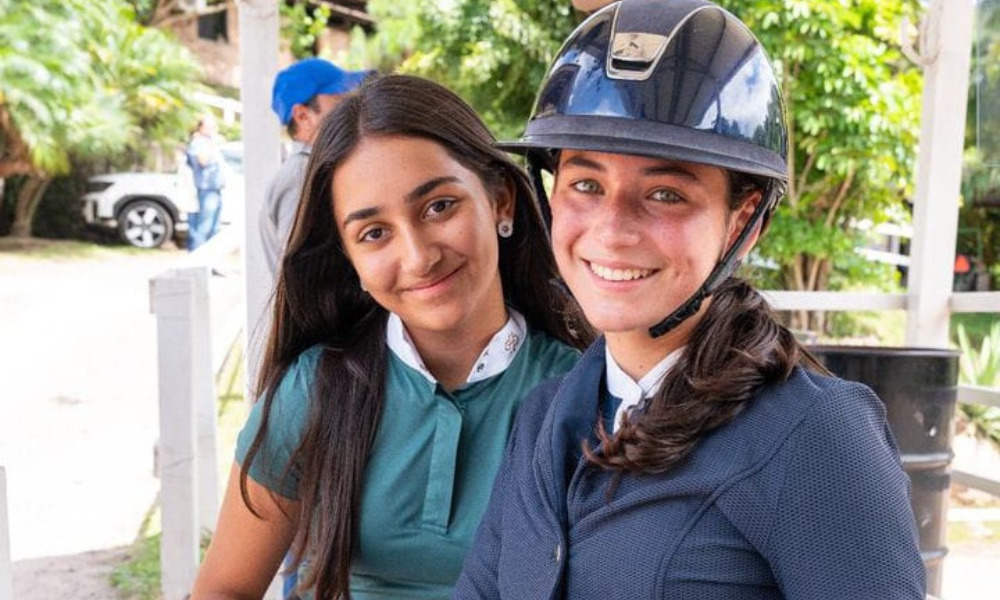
x=98 y=186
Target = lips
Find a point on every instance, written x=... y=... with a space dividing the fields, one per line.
x=614 y=274
x=430 y=285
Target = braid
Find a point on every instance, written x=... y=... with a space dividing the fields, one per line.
x=735 y=350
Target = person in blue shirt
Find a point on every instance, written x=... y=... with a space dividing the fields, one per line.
x=208 y=168
x=414 y=308
x=696 y=451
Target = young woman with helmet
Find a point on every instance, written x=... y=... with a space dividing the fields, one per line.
x=695 y=451
x=414 y=310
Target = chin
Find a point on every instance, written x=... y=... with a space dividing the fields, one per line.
x=619 y=322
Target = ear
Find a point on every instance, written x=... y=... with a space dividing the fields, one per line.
x=300 y=113
x=503 y=202
x=739 y=219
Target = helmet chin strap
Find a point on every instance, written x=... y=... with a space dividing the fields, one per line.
x=726 y=266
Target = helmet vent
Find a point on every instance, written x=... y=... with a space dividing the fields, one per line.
x=634 y=55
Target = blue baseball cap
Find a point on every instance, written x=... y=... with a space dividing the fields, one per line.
x=300 y=82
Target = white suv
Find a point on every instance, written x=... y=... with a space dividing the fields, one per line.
x=148 y=209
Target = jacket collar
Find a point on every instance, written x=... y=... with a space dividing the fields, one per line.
x=571 y=421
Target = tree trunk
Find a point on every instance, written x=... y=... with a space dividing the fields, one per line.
x=808 y=274
x=28 y=199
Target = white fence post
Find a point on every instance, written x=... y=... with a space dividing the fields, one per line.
x=203 y=389
x=172 y=299
x=6 y=569
x=939 y=171
x=262 y=156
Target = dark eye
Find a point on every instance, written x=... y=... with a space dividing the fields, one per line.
x=667 y=196
x=372 y=234
x=586 y=186
x=438 y=207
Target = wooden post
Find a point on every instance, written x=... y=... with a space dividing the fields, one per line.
x=172 y=300
x=262 y=156
x=203 y=389
x=947 y=50
x=6 y=567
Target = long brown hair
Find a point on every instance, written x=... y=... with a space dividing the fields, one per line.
x=319 y=301
x=737 y=348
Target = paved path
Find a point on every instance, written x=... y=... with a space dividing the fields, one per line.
x=78 y=417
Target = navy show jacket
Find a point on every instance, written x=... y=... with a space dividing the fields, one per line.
x=802 y=496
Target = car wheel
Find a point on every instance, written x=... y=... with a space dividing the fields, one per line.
x=145 y=224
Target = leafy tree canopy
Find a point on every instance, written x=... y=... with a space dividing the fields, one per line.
x=493 y=53
x=853 y=110
x=79 y=80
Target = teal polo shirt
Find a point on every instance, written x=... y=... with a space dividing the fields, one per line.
x=431 y=469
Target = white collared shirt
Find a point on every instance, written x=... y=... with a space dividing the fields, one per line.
x=494 y=359
x=632 y=392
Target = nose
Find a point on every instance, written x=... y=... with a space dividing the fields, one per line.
x=617 y=221
x=420 y=252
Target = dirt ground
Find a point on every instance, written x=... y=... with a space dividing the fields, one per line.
x=79 y=417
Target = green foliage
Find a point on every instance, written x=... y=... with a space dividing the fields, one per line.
x=139 y=578
x=302 y=23
x=981 y=366
x=853 y=108
x=493 y=53
x=102 y=85
x=56 y=104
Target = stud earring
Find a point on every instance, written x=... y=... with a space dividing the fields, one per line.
x=505 y=228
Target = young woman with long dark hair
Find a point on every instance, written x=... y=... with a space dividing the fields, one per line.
x=414 y=308
x=695 y=452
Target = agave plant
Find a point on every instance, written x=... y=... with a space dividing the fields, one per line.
x=981 y=367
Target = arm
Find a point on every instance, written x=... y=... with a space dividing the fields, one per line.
x=202 y=150
x=844 y=526
x=246 y=551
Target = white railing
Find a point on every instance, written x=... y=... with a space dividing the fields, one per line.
x=983 y=396
x=6 y=566
x=186 y=456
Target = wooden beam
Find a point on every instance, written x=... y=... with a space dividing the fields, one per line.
x=834 y=301
x=946 y=50
x=261 y=159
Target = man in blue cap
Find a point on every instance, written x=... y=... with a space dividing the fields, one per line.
x=303 y=93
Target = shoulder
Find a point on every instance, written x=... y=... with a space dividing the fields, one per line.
x=546 y=350
x=833 y=407
x=824 y=425
x=292 y=394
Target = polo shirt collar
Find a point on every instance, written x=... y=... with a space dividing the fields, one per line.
x=498 y=354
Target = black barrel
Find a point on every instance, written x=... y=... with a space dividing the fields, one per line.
x=919 y=387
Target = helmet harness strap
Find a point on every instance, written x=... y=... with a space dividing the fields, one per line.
x=726 y=266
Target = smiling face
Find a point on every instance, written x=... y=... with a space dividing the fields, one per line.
x=635 y=237
x=420 y=229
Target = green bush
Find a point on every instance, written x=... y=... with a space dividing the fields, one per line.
x=980 y=366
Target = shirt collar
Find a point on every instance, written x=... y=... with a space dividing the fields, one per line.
x=630 y=391
x=498 y=354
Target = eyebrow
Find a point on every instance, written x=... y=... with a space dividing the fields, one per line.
x=417 y=193
x=662 y=169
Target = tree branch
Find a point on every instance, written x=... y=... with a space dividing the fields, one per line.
x=806 y=170
x=838 y=200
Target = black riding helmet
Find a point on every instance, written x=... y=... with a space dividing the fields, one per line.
x=675 y=79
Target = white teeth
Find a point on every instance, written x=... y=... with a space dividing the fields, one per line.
x=619 y=274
